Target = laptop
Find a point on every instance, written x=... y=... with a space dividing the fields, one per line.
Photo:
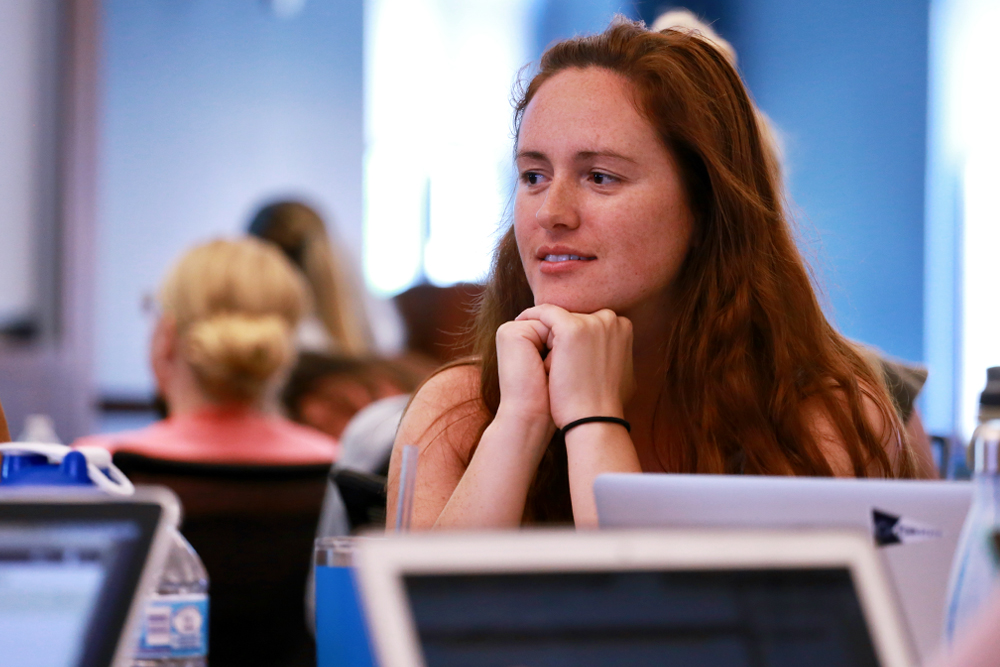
x=75 y=568
x=915 y=524
x=694 y=598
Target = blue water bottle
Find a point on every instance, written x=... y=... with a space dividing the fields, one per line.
x=341 y=632
x=39 y=458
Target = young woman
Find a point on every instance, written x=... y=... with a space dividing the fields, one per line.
x=221 y=348
x=650 y=280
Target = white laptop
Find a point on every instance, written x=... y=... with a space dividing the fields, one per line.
x=75 y=568
x=611 y=598
x=916 y=524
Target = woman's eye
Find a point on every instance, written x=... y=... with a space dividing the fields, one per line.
x=601 y=178
x=531 y=177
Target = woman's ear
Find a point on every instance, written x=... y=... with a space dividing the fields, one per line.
x=163 y=352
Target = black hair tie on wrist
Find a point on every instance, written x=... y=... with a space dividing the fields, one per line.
x=587 y=420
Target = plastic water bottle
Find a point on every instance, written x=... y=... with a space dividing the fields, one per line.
x=39 y=428
x=175 y=620
x=975 y=571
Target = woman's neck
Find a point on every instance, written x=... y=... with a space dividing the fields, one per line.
x=185 y=396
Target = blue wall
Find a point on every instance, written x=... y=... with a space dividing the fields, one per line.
x=561 y=19
x=210 y=108
x=846 y=84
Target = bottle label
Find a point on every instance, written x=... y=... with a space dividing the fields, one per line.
x=174 y=626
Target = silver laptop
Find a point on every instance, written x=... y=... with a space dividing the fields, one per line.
x=611 y=598
x=916 y=524
x=75 y=569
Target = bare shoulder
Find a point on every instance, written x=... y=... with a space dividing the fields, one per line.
x=446 y=409
x=444 y=421
x=831 y=442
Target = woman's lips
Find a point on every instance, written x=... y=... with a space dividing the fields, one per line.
x=562 y=253
x=566 y=258
x=558 y=263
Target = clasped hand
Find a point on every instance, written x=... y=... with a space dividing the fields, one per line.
x=562 y=366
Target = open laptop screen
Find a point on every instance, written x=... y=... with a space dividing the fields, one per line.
x=68 y=574
x=763 y=617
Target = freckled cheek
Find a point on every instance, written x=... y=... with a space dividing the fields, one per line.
x=521 y=239
x=523 y=221
x=661 y=230
x=522 y=248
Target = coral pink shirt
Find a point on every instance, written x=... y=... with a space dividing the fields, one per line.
x=236 y=436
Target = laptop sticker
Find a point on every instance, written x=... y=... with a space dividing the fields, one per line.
x=892 y=529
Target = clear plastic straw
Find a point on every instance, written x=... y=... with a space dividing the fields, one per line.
x=407 y=481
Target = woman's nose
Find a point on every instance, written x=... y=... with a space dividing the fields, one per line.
x=559 y=208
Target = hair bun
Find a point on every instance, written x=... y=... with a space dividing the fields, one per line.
x=235 y=354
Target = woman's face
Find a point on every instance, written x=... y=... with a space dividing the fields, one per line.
x=600 y=214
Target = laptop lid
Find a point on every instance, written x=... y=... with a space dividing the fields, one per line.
x=75 y=569
x=916 y=524
x=692 y=598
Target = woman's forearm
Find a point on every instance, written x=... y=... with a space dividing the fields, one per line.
x=493 y=490
x=593 y=449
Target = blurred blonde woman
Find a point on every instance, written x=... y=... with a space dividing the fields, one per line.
x=220 y=351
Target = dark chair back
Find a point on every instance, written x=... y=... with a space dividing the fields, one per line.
x=253 y=527
x=364 y=497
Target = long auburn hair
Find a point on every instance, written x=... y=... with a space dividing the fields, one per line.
x=749 y=344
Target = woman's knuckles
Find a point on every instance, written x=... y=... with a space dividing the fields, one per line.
x=516 y=332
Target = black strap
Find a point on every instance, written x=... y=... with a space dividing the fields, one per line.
x=588 y=420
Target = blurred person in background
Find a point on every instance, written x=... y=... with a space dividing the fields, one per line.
x=348 y=337
x=325 y=391
x=222 y=346
x=345 y=320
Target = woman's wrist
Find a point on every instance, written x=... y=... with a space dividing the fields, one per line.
x=524 y=436
x=527 y=422
x=528 y=416
x=574 y=413
x=595 y=419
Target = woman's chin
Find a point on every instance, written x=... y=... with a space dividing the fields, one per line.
x=572 y=304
